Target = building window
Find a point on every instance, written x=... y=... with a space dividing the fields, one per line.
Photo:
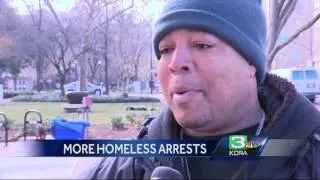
x=297 y=75
x=21 y=82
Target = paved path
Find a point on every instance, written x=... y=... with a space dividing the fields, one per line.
x=14 y=166
x=35 y=168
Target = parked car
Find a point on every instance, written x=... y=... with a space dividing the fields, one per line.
x=91 y=88
x=305 y=80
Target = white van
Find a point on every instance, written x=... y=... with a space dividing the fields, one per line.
x=306 y=80
x=91 y=88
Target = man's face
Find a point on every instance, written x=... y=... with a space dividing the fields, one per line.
x=205 y=81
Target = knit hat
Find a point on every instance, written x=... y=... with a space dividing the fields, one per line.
x=241 y=23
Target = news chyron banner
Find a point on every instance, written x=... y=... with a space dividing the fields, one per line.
x=233 y=146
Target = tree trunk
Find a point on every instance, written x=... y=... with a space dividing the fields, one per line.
x=62 y=80
x=272 y=36
x=106 y=75
x=124 y=87
x=15 y=78
x=280 y=13
x=92 y=77
x=39 y=73
x=305 y=27
x=82 y=65
x=105 y=54
x=135 y=72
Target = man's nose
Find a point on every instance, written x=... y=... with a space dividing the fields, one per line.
x=181 y=61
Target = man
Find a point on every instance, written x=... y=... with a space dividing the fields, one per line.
x=212 y=71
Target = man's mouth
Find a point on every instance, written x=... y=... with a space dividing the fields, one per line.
x=180 y=92
x=184 y=96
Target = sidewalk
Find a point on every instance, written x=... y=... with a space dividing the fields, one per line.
x=35 y=168
x=19 y=148
x=14 y=166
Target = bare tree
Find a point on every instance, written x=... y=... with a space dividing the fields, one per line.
x=281 y=10
x=94 y=68
x=37 y=21
x=139 y=44
x=132 y=39
x=109 y=17
x=60 y=56
x=91 y=13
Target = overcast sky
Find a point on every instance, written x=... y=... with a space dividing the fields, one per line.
x=66 y=5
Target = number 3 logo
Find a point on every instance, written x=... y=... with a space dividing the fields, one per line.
x=237 y=142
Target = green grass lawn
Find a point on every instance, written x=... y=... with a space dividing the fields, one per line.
x=100 y=113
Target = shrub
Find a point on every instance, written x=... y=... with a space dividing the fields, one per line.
x=117 y=122
x=131 y=117
x=11 y=94
x=7 y=95
x=120 y=99
x=125 y=95
x=54 y=96
x=40 y=97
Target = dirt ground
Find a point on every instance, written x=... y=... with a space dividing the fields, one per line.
x=104 y=131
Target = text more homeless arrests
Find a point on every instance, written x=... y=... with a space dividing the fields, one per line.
x=134 y=149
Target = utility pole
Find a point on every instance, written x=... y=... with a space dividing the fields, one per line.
x=151 y=84
x=311 y=47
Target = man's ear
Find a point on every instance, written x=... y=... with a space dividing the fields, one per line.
x=155 y=74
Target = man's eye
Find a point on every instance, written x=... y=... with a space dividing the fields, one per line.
x=165 y=51
x=203 y=46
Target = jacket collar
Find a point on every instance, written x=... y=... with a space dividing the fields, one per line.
x=275 y=96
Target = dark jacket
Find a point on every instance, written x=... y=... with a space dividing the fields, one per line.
x=289 y=115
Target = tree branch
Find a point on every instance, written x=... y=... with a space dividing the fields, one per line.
x=274 y=23
x=293 y=37
x=286 y=13
x=40 y=16
x=112 y=17
x=280 y=6
x=122 y=11
x=62 y=29
x=30 y=12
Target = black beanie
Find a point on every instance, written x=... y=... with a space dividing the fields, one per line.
x=241 y=23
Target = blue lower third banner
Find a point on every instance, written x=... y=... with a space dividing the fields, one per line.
x=125 y=148
x=233 y=146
